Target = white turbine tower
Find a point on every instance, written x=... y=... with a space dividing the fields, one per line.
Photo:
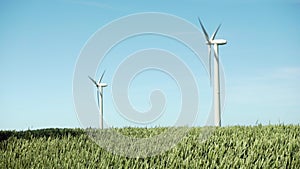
x=100 y=86
x=216 y=81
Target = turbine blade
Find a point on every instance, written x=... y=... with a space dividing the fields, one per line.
x=215 y=33
x=98 y=98
x=101 y=95
x=204 y=31
x=101 y=77
x=93 y=81
x=209 y=63
x=216 y=53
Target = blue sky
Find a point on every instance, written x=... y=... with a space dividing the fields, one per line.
x=40 y=42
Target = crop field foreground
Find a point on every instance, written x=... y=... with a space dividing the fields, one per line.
x=273 y=146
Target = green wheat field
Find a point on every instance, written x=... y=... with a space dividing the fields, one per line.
x=272 y=146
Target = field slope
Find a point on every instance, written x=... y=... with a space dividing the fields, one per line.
x=228 y=147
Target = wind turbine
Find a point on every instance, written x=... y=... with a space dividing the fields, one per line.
x=100 y=86
x=216 y=77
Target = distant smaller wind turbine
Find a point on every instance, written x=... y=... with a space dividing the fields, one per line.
x=216 y=43
x=100 y=86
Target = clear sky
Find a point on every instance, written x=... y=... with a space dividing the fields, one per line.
x=40 y=42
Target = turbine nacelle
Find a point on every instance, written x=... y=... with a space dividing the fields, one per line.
x=98 y=85
x=102 y=85
x=218 y=41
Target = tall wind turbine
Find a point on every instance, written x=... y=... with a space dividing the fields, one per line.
x=99 y=86
x=216 y=77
